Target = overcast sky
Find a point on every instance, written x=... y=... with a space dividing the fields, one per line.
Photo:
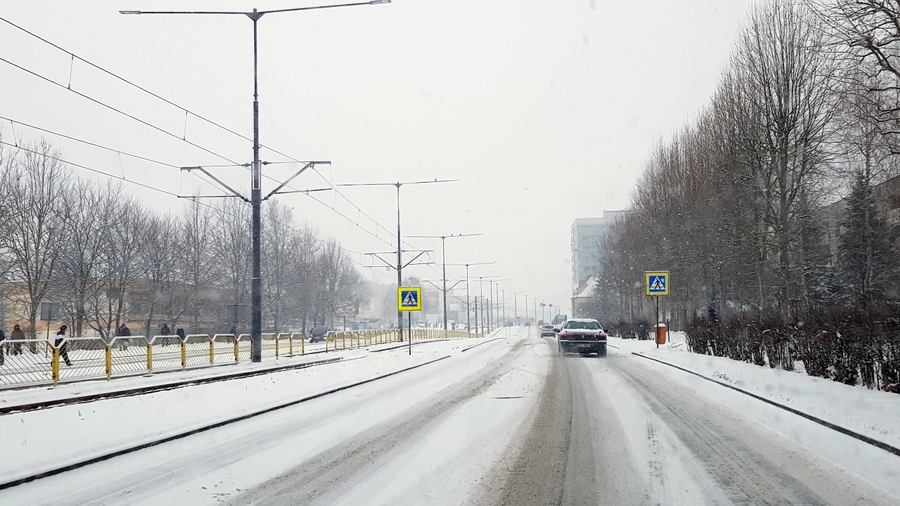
x=545 y=111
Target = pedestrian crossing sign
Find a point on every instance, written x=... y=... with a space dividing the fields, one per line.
x=409 y=298
x=656 y=283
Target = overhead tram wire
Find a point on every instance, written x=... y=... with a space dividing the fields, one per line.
x=175 y=136
x=169 y=102
x=126 y=81
x=88 y=143
x=91 y=169
x=118 y=111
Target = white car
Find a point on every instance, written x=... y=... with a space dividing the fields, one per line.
x=582 y=335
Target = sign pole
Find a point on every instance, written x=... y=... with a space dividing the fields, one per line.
x=409 y=298
x=657 y=322
x=656 y=283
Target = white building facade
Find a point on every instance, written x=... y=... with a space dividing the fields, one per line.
x=586 y=236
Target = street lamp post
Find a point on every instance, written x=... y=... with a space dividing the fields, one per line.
x=255 y=172
x=399 y=267
x=443 y=239
x=526 y=307
x=504 y=306
x=481 y=291
x=468 y=310
x=497 y=298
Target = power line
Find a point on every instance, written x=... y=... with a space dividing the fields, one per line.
x=183 y=138
x=126 y=81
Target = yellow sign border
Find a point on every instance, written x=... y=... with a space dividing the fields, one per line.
x=648 y=275
x=401 y=289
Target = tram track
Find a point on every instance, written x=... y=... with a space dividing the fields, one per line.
x=206 y=427
x=80 y=399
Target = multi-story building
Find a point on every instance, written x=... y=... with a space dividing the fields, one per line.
x=586 y=236
x=832 y=216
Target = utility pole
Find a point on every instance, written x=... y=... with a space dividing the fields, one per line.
x=443 y=239
x=255 y=169
x=400 y=265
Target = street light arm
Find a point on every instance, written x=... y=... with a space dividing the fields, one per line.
x=258 y=14
x=372 y=2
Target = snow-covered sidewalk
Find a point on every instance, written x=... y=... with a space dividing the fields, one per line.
x=868 y=412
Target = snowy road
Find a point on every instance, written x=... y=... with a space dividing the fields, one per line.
x=505 y=422
x=636 y=437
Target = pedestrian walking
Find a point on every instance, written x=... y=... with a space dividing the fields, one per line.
x=19 y=336
x=62 y=344
x=164 y=331
x=123 y=332
x=2 y=346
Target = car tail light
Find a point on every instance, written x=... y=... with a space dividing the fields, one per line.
x=602 y=335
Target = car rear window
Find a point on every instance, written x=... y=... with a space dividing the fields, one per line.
x=583 y=325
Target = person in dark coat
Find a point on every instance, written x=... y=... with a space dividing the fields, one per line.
x=62 y=344
x=164 y=331
x=2 y=346
x=123 y=331
x=180 y=333
x=16 y=334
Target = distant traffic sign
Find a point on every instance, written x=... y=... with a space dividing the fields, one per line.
x=656 y=283
x=409 y=298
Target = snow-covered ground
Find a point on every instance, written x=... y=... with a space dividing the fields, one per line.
x=455 y=418
x=869 y=412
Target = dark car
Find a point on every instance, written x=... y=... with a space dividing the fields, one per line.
x=547 y=330
x=582 y=335
x=317 y=333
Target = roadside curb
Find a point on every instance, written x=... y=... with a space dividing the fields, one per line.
x=856 y=435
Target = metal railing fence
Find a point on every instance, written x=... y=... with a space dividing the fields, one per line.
x=33 y=362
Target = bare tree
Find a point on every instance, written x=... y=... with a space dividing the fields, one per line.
x=338 y=280
x=158 y=261
x=232 y=248
x=86 y=210
x=121 y=265
x=279 y=238
x=35 y=182
x=195 y=258
x=785 y=75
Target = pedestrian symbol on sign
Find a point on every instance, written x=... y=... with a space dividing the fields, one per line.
x=409 y=298
x=656 y=283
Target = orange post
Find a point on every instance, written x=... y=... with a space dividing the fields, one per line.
x=661 y=333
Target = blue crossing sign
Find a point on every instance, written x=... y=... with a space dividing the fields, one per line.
x=656 y=283
x=409 y=298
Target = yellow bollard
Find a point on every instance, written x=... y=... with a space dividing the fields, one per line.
x=277 y=338
x=212 y=351
x=183 y=355
x=108 y=363
x=149 y=358
x=54 y=366
x=237 y=344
